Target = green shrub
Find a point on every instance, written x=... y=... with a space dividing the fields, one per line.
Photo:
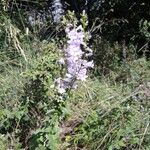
x=110 y=112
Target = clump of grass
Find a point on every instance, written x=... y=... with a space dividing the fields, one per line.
x=108 y=114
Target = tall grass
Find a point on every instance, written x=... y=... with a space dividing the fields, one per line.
x=111 y=115
x=108 y=111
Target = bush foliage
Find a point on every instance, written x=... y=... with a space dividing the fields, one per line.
x=108 y=111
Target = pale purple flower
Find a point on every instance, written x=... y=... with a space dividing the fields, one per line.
x=61 y=61
x=76 y=65
x=89 y=64
x=82 y=74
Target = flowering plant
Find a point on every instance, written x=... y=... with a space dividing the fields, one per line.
x=75 y=59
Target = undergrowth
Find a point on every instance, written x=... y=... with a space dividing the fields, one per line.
x=108 y=111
